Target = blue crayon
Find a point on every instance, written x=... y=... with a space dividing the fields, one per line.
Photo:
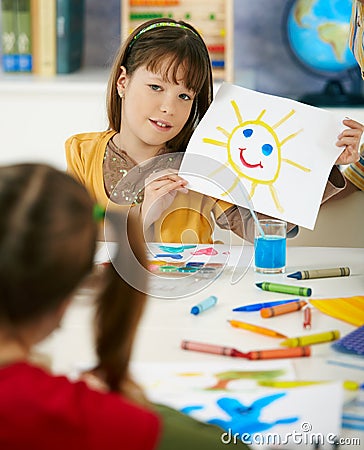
x=209 y=302
x=259 y=306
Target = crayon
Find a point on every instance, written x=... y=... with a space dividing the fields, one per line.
x=282 y=309
x=307 y=317
x=295 y=352
x=310 y=339
x=210 y=348
x=256 y=329
x=320 y=273
x=209 y=302
x=259 y=306
x=278 y=353
x=285 y=289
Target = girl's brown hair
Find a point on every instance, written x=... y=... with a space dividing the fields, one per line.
x=183 y=47
x=118 y=312
x=47 y=240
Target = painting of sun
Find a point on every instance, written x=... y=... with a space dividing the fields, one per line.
x=276 y=151
x=255 y=152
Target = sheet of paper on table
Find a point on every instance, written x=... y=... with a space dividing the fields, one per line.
x=207 y=391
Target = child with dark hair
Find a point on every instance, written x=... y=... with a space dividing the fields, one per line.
x=160 y=87
x=48 y=233
x=47 y=243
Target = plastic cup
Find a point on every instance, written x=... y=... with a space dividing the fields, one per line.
x=270 y=249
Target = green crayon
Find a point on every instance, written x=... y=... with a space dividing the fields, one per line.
x=285 y=289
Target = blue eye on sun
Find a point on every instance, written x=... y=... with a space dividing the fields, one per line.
x=267 y=149
x=247 y=132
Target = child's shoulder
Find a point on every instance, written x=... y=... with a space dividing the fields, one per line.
x=94 y=136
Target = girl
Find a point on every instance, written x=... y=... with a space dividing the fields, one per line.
x=159 y=89
x=47 y=244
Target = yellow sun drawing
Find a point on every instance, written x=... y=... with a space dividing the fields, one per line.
x=254 y=152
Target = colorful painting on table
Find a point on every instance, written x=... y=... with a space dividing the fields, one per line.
x=229 y=394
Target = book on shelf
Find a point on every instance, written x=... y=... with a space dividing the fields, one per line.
x=70 y=35
x=43 y=16
x=16 y=36
x=8 y=36
x=42 y=36
x=24 y=35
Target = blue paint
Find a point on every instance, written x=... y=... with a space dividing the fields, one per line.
x=177 y=249
x=267 y=149
x=245 y=418
x=248 y=132
x=167 y=255
x=270 y=252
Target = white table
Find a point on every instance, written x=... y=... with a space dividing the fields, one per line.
x=166 y=322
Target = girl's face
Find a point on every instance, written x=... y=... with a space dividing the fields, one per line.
x=154 y=110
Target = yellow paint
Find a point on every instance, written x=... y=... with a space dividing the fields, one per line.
x=254 y=162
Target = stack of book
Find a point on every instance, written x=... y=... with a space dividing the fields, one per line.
x=44 y=37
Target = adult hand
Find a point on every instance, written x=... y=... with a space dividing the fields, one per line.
x=159 y=193
x=350 y=139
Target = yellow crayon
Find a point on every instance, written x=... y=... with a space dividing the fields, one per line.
x=310 y=339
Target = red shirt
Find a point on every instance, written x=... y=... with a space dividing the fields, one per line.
x=39 y=411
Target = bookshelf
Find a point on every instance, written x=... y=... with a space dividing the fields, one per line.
x=212 y=18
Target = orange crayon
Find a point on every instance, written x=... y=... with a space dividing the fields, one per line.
x=277 y=353
x=282 y=309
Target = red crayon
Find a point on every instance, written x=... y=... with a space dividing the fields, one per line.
x=307 y=318
x=210 y=348
x=291 y=352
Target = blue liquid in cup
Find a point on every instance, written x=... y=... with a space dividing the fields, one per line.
x=270 y=252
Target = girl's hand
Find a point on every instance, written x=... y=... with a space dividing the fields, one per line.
x=159 y=193
x=350 y=139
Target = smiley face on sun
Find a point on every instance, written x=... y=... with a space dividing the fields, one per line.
x=254 y=152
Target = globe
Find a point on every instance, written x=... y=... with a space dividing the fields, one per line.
x=317 y=32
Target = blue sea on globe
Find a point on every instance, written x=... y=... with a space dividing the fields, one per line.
x=306 y=24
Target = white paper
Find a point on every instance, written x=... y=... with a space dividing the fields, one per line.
x=273 y=153
x=307 y=413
